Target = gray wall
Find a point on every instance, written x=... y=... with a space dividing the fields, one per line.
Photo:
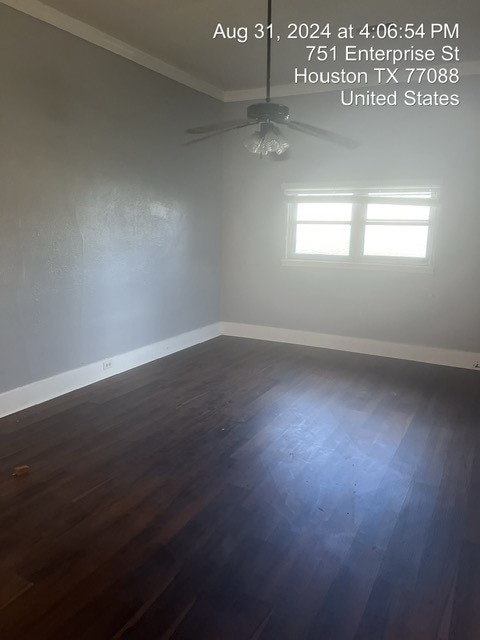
x=441 y=309
x=109 y=229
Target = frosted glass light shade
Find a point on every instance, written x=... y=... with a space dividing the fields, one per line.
x=266 y=141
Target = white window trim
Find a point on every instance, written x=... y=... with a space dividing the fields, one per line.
x=355 y=260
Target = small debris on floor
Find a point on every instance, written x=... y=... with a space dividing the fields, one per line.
x=22 y=470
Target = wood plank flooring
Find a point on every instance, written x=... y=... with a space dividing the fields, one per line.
x=245 y=490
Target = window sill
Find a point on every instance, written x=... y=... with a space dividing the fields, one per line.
x=364 y=266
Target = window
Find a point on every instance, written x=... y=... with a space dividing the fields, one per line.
x=361 y=226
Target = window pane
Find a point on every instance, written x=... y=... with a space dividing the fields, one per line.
x=324 y=211
x=396 y=241
x=397 y=212
x=326 y=239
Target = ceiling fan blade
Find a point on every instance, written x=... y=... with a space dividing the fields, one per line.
x=219 y=126
x=309 y=129
x=218 y=133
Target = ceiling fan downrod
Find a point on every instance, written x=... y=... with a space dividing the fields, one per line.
x=269 y=34
x=268 y=141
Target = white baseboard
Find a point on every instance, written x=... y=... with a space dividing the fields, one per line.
x=417 y=353
x=43 y=390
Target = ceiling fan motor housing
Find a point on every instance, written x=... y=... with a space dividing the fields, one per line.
x=268 y=111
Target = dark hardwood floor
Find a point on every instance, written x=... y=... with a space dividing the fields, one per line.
x=245 y=490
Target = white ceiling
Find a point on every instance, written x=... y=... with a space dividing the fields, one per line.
x=180 y=33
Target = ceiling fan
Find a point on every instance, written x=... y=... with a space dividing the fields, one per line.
x=268 y=141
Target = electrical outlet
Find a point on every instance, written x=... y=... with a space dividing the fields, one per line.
x=107 y=364
x=476 y=364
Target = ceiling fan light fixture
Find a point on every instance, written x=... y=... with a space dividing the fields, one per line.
x=266 y=141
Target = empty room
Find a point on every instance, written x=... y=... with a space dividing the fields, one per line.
x=239 y=320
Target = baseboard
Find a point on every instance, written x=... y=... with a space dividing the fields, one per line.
x=417 y=353
x=43 y=390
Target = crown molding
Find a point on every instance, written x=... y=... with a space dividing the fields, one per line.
x=83 y=30
x=276 y=91
x=114 y=45
x=467 y=68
